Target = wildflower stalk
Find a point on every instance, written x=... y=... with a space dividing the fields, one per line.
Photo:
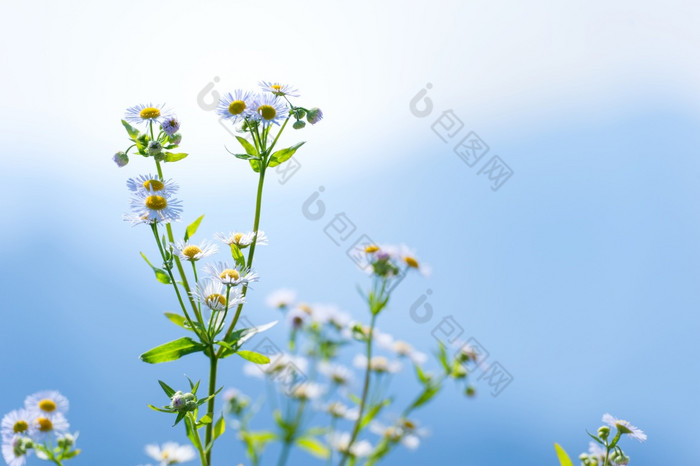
x=365 y=391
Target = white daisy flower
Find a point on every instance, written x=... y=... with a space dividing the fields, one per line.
x=403 y=430
x=243 y=240
x=149 y=208
x=307 y=391
x=14 y=450
x=235 y=105
x=213 y=295
x=296 y=318
x=280 y=299
x=267 y=108
x=45 y=425
x=151 y=184
x=624 y=427
x=144 y=113
x=279 y=89
x=170 y=453
x=378 y=364
x=194 y=252
x=230 y=276
x=337 y=373
x=48 y=402
x=338 y=410
x=323 y=314
x=17 y=422
x=596 y=450
x=404 y=349
x=340 y=440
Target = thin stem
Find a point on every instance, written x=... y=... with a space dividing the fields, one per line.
x=202 y=456
x=213 y=360
x=284 y=455
x=365 y=390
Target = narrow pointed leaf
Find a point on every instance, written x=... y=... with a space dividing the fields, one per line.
x=283 y=155
x=252 y=356
x=171 y=351
x=313 y=446
x=219 y=427
x=133 y=132
x=170 y=157
x=249 y=148
x=192 y=228
x=564 y=459
x=167 y=389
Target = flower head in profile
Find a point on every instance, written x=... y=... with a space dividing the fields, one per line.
x=231 y=276
x=340 y=441
x=235 y=105
x=337 y=373
x=624 y=427
x=144 y=113
x=17 y=422
x=192 y=252
x=170 y=125
x=279 y=89
x=48 y=402
x=15 y=450
x=170 y=453
x=267 y=109
x=306 y=391
x=154 y=207
x=243 y=240
x=314 y=115
x=151 y=184
x=378 y=364
x=213 y=295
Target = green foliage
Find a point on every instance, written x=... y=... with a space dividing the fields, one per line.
x=283 y=155
x=564 y=459
x=172 y=350
x=192 y=228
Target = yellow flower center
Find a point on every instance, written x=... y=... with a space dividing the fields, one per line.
x=268 y=112
x=231 y=274
x=408 y=424
x=191 y=251
x=236 y=107
x=149 y=112
x=237 y=238
x=156 y=202
x=371 y=248
x=20 y=426
x=411 y=262
x=47 y=405
x=213 y=298
x=153 y=185
x=276 y=87
x=45 y=424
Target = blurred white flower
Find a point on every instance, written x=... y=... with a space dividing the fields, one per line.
x=17 y=422
x=337 y=373
x=170 y=453
x=280 y=299
x=624 y=427
x=306 y=391
x=378 y=364
x=340 y=441
x=14 y=451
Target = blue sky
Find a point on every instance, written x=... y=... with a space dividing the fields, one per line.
x=578 y=275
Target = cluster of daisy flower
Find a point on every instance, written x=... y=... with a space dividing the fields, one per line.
x=170 y=453
x=313 y=384
x=605 y=450
x=40 y=427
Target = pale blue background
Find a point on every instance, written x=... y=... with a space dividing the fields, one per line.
x=579 y=275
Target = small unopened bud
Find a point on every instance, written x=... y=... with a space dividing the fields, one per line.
x=604 y=432
x=314 y=115
x=298 y=124
x=175 y=138
x=66 y=441
x=121 y=159
x=470 y=391
x=154 y=148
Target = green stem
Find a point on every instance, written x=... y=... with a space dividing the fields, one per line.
x=365 y=390
x=249 y=263
x=200 y=448
x=213 y=360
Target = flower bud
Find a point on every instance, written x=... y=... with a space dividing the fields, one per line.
x=314 y=115
x=470 y=391
x=175 y=138
x=66 y=441
x=154 y=148
x=604 y=432
x=121 y=159
x=298 y=124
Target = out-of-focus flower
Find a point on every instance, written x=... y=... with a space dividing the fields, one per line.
x=306 y=391
x=17 y=422
x=170 y=453
x=341 y=440
x=46 y=425
x=378 y=364
x=624 y=427
x=280 y=299
x=15 y=450
x=337 y=373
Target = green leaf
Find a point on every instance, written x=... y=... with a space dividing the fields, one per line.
x=160 y=410
x=133 y=132
x=428 y=394
x=249 y=148
x=372 y=412
x=313 y=446
x=192 y=228
x=170 y=157
x=219 y=427
x=564 y=459
x=190 y=429
x=283 y=155
x=206 y=419
x=171 y=351
x=161 y=275
x=237 y=255
x=177 y=319
x=255 y=165
x=166 y=388
x=252 y=356
x=180 y=417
